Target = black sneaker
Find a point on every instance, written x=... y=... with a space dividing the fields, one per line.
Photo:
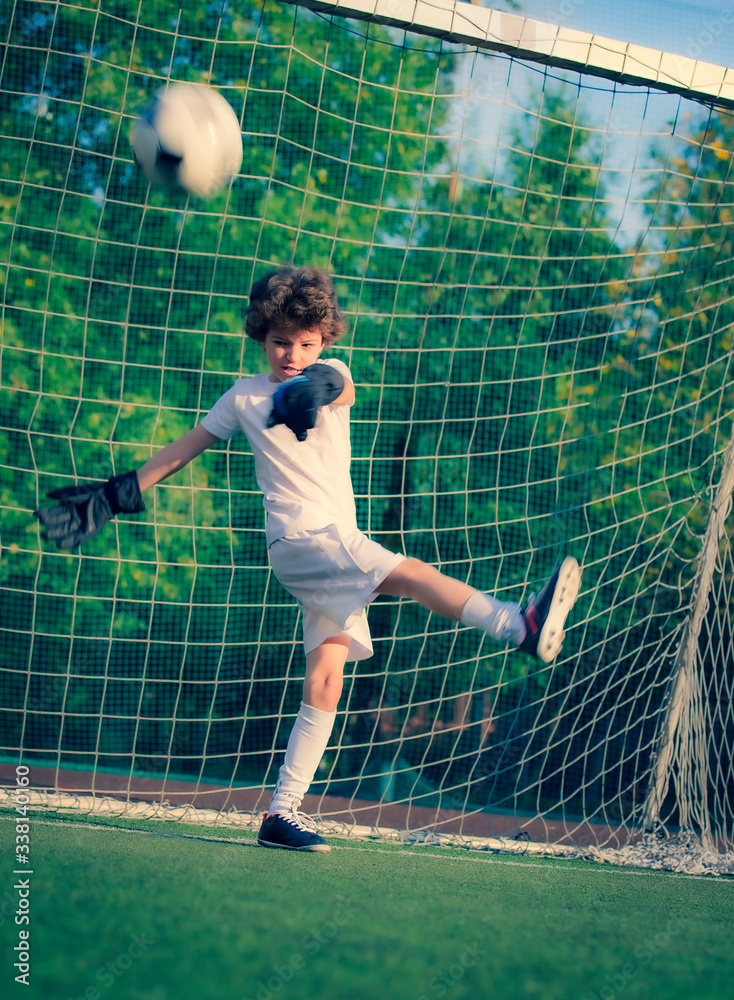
x=293 y=832
x=546 y=614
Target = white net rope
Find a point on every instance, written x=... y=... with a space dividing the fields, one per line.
x=536 y=270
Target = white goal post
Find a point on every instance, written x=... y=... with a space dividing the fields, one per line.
x=551 y=44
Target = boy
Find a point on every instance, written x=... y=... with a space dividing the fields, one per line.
x=296 y=418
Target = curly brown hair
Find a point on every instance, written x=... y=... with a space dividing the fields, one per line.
x=296 y=298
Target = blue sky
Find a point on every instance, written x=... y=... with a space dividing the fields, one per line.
x=701 y=29
x=638 y=119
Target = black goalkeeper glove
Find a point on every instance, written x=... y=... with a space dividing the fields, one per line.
x=297 y=401
x=87 y=508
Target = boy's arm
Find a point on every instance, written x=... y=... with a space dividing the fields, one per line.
x=175 y=456
x=347 y=396
x=83 y=510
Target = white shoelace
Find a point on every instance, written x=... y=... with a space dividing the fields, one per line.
x=300 y=821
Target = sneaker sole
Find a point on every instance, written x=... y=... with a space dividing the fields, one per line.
x=551 y=636
x=312 y=848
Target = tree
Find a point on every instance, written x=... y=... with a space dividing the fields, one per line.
x=123 y=322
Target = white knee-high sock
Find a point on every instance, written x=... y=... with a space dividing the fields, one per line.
x=306 y=746
x=500 y=620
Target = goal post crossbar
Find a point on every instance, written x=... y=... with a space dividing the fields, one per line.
x=539 y=41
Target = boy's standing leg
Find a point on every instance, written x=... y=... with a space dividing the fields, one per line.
x=283 y=826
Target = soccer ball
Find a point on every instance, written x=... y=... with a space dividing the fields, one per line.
x=188 y=138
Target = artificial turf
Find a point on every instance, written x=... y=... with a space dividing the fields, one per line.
x=161 y=911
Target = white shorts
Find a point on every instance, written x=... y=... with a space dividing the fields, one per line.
x=333 y=573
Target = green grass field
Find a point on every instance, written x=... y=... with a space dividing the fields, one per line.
x=154 y=911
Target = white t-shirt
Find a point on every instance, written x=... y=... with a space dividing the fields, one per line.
x=305 y=484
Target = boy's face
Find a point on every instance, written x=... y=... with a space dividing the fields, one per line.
x=290 y=351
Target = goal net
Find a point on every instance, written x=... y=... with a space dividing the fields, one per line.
x=530 y=232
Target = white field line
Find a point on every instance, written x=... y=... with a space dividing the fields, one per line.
x=418 y=852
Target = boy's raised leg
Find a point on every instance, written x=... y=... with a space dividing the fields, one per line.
x=455 y=600
x=536 y=629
